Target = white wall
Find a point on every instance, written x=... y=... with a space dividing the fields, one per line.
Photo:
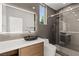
x=0 y=17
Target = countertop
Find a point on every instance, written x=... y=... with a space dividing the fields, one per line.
x=6 y=46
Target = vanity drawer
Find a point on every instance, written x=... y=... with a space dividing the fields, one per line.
x=33 y=50
x=10 y=53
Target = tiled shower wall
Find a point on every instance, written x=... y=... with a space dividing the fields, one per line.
x=72 y=25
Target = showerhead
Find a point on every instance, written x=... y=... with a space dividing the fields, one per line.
x=51 y=15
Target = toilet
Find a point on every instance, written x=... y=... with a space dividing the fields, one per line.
x=49 y=49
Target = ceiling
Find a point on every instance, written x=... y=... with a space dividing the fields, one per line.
x=57 y=6
x=26 y=6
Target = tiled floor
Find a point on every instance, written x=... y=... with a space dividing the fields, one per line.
x=57 y=54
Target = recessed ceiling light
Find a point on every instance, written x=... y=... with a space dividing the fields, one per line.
x=33 y=7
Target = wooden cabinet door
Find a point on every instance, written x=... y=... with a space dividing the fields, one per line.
x=33 y=50
x=10 y=53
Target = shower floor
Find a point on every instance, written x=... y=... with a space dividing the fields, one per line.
x=57 y=54
x=64 y=51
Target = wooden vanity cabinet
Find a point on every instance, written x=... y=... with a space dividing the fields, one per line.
x=32 y=50
x=10 y=53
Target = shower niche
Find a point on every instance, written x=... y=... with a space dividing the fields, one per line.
x=65 y=39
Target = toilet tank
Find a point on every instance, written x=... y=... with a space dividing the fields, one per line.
x=49 y=49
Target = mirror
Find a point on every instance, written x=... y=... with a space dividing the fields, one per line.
x=17 y=20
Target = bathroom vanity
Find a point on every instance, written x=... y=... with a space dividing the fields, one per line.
x=20 y=47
